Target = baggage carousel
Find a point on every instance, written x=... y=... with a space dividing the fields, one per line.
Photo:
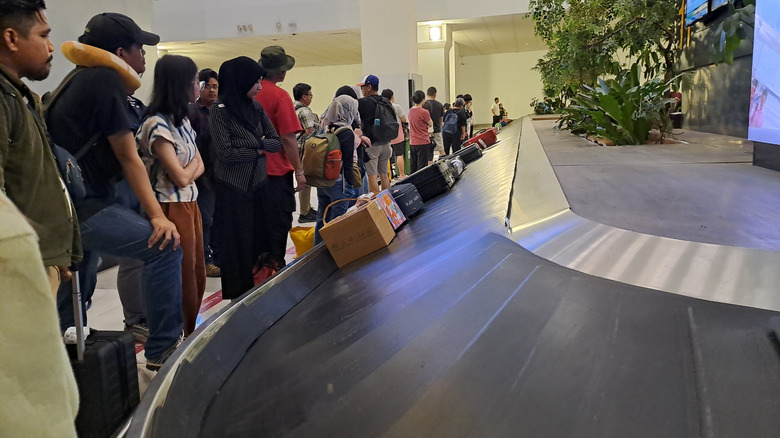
x=495 y=312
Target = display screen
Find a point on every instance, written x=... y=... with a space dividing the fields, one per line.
x=764 y=122
x=718 y=3
x=694 y=10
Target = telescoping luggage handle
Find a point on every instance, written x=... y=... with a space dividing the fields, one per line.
x=77 y=316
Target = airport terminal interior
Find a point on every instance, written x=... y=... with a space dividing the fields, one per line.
x=560 y=286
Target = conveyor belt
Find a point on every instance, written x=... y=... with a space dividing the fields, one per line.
x=454 y=330
x=489 y=340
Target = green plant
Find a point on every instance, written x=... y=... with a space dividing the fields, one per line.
x=737 y=26
x=623 y=109
x=583 y=38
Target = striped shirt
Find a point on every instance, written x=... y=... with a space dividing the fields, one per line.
x=235 y=148
x=183 y=140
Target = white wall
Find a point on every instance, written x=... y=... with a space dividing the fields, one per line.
x=183 y=20
x=324 y=82
x=431 y=65
x=429 y=10
x=67 y=20
x=507 y=76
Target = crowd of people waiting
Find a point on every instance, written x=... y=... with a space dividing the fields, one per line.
x=202 y=181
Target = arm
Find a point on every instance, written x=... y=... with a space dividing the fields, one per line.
x=221 y=141
x=290 y=146
x=123 y=145
x=403 y=119
x=181 y=176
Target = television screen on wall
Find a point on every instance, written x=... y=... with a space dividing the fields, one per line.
x=764 y=121
x=715 y=4
x=695 y=10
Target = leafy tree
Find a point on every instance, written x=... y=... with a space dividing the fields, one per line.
x=583 y=37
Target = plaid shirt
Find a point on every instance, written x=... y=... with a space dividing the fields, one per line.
x=308 y=120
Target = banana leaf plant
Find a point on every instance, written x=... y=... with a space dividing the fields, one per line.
x=622 y=109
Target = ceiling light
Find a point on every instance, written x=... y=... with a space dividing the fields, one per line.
x=435 y=33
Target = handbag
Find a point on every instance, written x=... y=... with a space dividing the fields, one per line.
x=303 y=239
x=69 y=169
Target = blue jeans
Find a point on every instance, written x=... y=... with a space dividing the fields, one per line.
x=118 y=231
x=326 y=195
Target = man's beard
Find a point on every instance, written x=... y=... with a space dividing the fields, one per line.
x=43 y=73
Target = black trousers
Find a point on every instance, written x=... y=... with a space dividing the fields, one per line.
x=419 y=156
x=278 y=200
x=451 y=141
x=240 y=235
x=496 y=119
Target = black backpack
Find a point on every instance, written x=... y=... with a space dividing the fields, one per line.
x=67 y=163
x=384 y=127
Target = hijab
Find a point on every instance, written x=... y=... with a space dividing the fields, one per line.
x=236 y=77
x=341 y=112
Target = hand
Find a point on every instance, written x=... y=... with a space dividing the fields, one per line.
x=65 y=273
x=366 y=141
x=300 y=182
x=166 y=230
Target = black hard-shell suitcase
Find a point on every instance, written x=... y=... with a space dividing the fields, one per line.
x=469 y=153
x=408 y=199
x=432 y=180
x=106 y=376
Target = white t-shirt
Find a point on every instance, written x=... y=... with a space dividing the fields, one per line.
x=183 y=139
x=496 y=111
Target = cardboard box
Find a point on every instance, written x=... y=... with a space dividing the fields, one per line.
x=349 y=238
x=393 y=212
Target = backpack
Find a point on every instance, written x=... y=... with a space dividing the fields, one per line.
x=67 y=163
x=322 y=159
x=450 y=125
x=385 y=125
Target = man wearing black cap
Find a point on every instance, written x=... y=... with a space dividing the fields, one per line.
x=95 y=103
x=279 y=193
x=379 y=152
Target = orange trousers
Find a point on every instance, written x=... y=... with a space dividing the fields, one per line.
x=186 y=217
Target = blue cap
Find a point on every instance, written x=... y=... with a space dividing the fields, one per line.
x=369 y=80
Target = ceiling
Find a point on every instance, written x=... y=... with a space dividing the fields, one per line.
x=479 y=36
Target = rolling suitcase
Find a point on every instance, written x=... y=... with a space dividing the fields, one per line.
x=105 y=369
x=432 y=180
x=469 y=153
x=408 y=199
x=483 y=139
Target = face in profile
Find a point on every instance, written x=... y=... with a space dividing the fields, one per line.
x=135 y=57
x=34 y=51
x=255 y=89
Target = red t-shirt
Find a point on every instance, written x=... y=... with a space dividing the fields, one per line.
x=418 y=126
x=279 y=107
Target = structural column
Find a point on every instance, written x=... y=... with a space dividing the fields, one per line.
x=388 y=35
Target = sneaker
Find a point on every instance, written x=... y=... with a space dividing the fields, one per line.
x=308 y=217
x=156 y=364
x=139 y=330
x=213 y=270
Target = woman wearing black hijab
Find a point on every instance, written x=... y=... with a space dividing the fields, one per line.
x=241 y=133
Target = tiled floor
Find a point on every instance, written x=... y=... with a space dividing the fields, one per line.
x=106 y=310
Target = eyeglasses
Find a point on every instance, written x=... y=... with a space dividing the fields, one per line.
x=204 y=86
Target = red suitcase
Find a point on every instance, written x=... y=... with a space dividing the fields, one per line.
x=483 y=139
